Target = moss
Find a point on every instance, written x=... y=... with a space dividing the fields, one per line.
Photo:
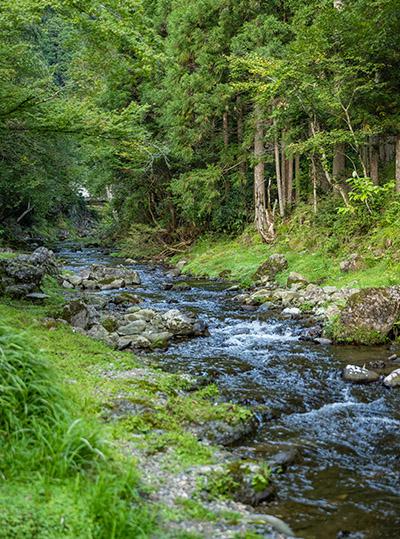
x=341 y=334
x=313 y=246
x=88 y=371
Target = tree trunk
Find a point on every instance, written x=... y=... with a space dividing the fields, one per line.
x=398 y=164
x=283 y=176
x=263 y=216
x=297 y=178
x=374 y=161
x=278 y=178
x=314 y=182
x=289 y=193
x=240 y=132
x=339 y=161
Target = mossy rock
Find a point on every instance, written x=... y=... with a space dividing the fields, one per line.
x=368 y=317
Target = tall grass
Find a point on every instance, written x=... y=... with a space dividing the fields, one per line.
x=44 y=447
x=37 y=428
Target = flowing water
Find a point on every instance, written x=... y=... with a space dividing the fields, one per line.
x=347 y=482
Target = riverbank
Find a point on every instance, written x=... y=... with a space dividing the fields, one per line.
x=157 y=475
x=307 y=253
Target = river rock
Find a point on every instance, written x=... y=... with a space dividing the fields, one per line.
x=158 y=340
x=98 y=332
x=24 y=274
x=245 y=482
x=297 y=278
x=180 y=324
x=133 y=328
x=222 y=433
x=292 y=312
x=74 y=280
x=271 y=267
x=127 y=298
x=113 y=285
x=368 y=316
x=359 y=375
x=393 y=380
x=352 y=263
x=283 y=459
x=79 y=315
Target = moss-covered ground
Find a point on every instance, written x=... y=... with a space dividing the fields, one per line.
x=105 y=497
x=314 y=246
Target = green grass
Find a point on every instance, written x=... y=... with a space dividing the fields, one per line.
x=313 y=248
x=62 y=456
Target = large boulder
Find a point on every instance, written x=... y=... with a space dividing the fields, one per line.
x=368 y=316
x=271 y=267
x=23 y=275
x=181 y=325
x=79 y=315
x=103 y=277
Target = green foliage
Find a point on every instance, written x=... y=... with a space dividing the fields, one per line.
x=365 y=195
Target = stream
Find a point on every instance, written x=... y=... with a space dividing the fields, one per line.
x=347 y=481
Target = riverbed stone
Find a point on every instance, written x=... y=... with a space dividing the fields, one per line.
x=245 y=482
x=74 y=279
x=79 y=314
x=292 y=312
x=272 y=266
x=178 y=323
x=113 y=285
x=98 y=332
x=133 y=328
x=24 y=274
x=221 y=432
x=297 y=278
x=368 y=316
x=158 y=339
x=393 y=379
x=359 y=375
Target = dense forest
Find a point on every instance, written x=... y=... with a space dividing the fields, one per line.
x=202 y=116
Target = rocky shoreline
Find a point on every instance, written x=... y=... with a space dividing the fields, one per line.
x=232 y=492
x=236 y=481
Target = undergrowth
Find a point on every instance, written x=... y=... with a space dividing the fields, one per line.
x=314 y=245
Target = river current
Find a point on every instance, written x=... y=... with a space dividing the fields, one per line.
x=347 y=480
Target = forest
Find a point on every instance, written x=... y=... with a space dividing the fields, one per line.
x=199 y=117
x=199 y=269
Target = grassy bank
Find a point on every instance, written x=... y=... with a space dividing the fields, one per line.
x=78 y=413
x=314 y=247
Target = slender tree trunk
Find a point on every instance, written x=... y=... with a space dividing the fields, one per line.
x=297 y=178
x=339 y=161
x=283 y=174
x=374 y=161
x=240 y=132
x=314 y=182
x=263 y=216
x=398 y=164
x=289 y=196
x=278 y=178
x=225 y=121
x=364 y=152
